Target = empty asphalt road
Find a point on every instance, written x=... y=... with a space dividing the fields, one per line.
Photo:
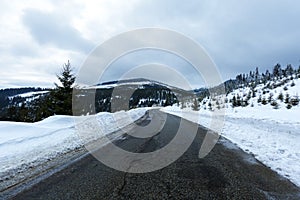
x=225 y=173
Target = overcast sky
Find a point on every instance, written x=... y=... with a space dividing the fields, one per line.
x=37 y=37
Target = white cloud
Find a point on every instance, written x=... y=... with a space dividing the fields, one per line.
x=239 y=35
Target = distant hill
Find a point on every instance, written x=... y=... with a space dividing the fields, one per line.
x=278 y=89
x=275 y=88
x=144 y=93
x=16 y=96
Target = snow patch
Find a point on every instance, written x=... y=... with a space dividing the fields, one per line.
x=272 y=136
x=26 y=145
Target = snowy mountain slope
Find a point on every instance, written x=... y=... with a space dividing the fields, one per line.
x=30 y=94
x=270 y=132
x=17 y=96
x=280 y=94
x=137 y=81
x=136 y=93
x=141 y=83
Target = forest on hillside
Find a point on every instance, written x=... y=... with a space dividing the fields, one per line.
x=58 y=101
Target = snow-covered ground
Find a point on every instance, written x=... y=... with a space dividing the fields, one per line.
x=271 y=135
x=26 y=145
x=30 y=94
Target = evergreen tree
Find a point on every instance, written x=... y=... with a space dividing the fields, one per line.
x=270 y=99
x=259 y=99
x=218 y=105
x=248 y=96
x=268 y=75
x=277 y=70
x=253 y=93
x=61 y=96
x=280 y=97
x=195 y=105
x=238 y=100
x=289 y=70
x=287 y=98
x=256 y=75
x=274 y=104
x=210 y=106
x=293 y=84
x=183 y=105
x=245 y=103
x=295 y=101
x=234 y=104
x=264 y=101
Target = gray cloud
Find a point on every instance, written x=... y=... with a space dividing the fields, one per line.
x=48 y=28
x=137 y=58
x=25 y=50
x=239 y=35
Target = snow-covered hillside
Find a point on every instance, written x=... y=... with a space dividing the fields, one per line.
x=269 y=131
x=138 y=82
x=30 y=95
x=274 y=94
x=24 y=146
x=262 y=119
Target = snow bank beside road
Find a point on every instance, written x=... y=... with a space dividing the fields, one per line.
x=25 y=145
x=261 y=132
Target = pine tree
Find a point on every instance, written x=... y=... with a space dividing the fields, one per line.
x=274 y=104
x=268 y=75
x=183 y=105
x=270 y=99
x=293 y=84
x=280 y=97
x=234 y=102
x=287 y=98
x=257 y=76
x=253 y=93
x=238 y=100
x=277 y=70
x=289 y=70
x=264 y=101
x=248 y=96
x=61 y=96
x=168 y=99
x=259 y=99
x=295 y=101
x=195 y=105
x=210 y=106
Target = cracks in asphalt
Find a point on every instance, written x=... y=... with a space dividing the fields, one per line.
x=140 y=149
x=122 y=186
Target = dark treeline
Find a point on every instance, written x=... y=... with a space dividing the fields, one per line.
x=122 y=97
x=13 y=92
x=58 y=101
x=39 y=106
x=253 y=78
x=269 y=80
x=11 y=98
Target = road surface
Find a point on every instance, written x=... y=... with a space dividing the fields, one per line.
x=226 y=173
